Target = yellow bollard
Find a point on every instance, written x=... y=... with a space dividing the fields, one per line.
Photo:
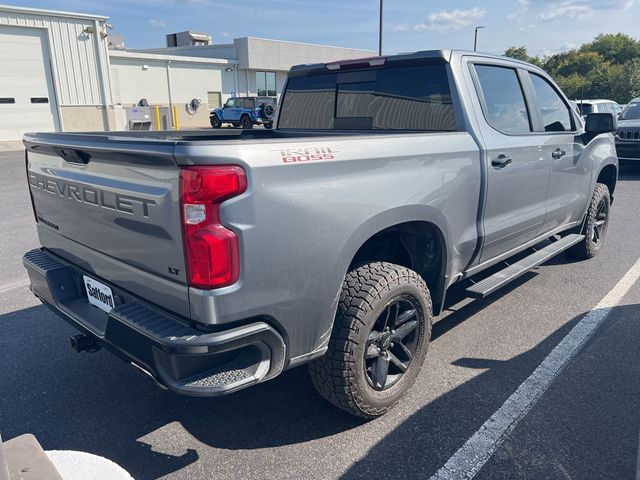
x=157 y=111
x=175 y=117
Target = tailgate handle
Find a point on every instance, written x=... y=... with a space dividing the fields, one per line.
x=73 y=156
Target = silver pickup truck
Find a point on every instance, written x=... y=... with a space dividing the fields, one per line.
x=214 y=260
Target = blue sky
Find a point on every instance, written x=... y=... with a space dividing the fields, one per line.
x=544 y=26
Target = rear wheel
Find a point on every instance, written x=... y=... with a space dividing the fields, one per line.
x=596 y=223
x=246 y=122
x=215 y=121
x=380 y=338
x=268 y=125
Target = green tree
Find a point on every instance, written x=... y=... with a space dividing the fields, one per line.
x=630 y=80
x=581 y=63
x=617 y=48
x=607 y=67
x=520 y=53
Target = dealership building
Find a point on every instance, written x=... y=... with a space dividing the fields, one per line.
x=62 y=71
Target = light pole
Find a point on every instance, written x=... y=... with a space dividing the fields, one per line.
x=380 y=31
x=475 y=38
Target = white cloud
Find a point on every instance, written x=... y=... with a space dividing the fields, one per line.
x=224 y=34
x=446 y=21
x=566 y=10
x=523 y=8
x=157 y=23
x=548 y=10
x=402 y=27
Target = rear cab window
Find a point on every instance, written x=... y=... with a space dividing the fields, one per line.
x=396 y=97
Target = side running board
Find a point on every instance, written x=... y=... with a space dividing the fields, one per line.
x=515 y=270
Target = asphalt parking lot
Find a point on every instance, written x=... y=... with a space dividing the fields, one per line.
x=585 y=425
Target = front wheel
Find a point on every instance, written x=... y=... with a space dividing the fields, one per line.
x=215 y=121
x=596 y=223
x=379 y=341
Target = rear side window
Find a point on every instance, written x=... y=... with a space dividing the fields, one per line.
x=553 y=111
x=504 y=104
x=393 y=98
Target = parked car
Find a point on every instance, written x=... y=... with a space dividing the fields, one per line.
x=628 y=137
x=213 y=261
x=598 y=106
x=245 y=112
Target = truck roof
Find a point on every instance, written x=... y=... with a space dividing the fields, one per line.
x=445 y=55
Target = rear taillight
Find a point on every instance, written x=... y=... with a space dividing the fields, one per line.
x=212 y=252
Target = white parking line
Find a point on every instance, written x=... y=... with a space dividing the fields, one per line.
x=13 y=286
x=469 y=459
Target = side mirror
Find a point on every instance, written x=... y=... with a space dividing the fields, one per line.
x=598 y=123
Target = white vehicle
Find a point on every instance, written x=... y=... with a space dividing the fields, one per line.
x=598 y=106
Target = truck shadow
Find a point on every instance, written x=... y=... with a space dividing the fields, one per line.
x=98 y=404
x=630 y=171
x=435 y=431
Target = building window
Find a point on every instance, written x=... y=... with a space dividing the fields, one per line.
x=266 y=84
x=214 y=99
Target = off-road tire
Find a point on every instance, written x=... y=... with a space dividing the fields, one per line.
x=268 y=125
x=215 y=121
x=246 y=122
x=588 y=248
x=267 y=110
x=340 y=376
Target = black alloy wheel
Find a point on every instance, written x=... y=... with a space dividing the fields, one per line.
x=392 y=343
x=601 y=221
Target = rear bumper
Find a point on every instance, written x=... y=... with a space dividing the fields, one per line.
x=178 y=356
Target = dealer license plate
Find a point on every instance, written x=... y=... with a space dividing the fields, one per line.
x=98 y=294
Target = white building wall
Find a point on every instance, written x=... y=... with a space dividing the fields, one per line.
x=263 y=54
x=167 y=79
x=257 y=54
x=189 y=81
x=130 y=83
x=170 y=81
x=77 y=62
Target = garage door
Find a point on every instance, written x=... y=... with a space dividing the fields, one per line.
x=27 y=102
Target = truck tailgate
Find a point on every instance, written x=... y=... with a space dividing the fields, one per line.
x=114 y=212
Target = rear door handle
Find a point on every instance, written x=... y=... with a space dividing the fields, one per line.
x=558 y=153
x=502 y=161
